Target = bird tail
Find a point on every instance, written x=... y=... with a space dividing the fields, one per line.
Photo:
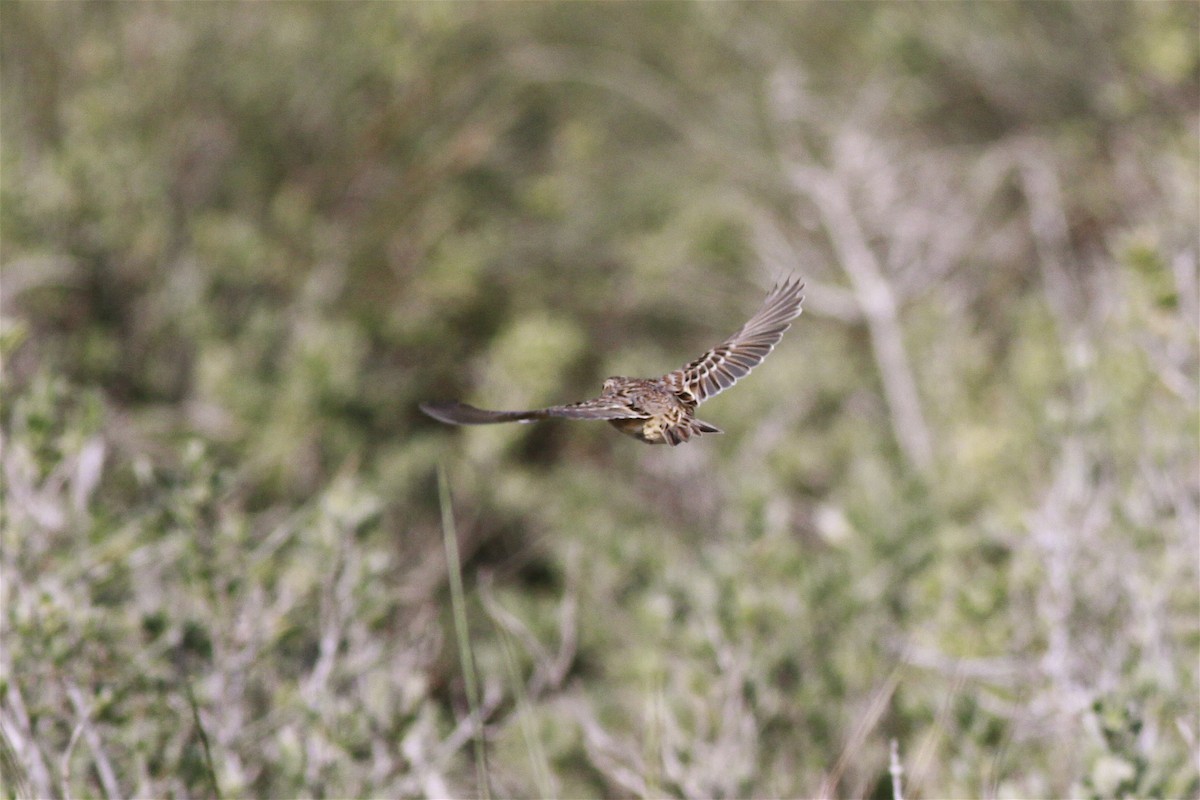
x=686 y=429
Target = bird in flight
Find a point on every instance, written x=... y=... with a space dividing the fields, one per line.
x=662 y=410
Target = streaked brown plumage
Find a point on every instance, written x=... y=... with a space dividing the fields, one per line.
x=662 y=410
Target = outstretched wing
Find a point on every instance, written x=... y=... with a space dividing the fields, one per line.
x=732 y=359
x=463 y=414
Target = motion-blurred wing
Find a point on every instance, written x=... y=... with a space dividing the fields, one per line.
x=732 y=359
x=599 y=408
x=463 y=414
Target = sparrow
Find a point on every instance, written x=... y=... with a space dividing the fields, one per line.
x=662 y=410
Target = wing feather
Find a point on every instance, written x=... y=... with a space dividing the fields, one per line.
x=598 y=408
x=464 y=414
x=732 y=360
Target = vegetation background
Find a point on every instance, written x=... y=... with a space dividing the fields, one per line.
x=958 y=508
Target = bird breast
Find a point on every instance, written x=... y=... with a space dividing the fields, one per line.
x=645 y=430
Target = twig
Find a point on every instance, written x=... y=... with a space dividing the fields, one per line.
x=879 y=306
x=606 y=755
x=865 y=724
x=897 y=771
x=208 y=761
x=64 y=764
x=17 y=731
x=104 y=767
x=921 y=766
x=470 y=726
x=537 y=754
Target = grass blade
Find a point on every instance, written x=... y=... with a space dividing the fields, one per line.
x=461 y=631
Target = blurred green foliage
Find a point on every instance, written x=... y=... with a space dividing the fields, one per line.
x=957 y=508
